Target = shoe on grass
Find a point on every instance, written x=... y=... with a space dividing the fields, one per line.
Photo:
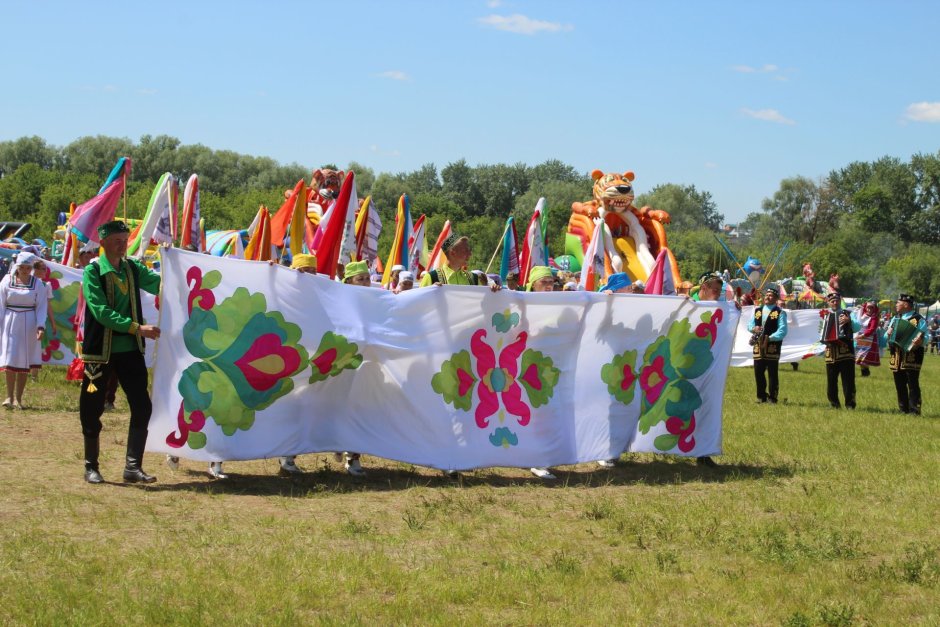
x=354 y=468
x=542 y=473
x=215 y=471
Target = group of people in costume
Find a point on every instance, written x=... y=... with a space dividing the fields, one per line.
x=850 y=339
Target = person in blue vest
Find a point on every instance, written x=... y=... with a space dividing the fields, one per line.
x=114 y=342
x=906 y=362
x=768 y=327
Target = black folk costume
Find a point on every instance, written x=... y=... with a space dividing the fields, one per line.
x=766 y=349
x=840 y=357
x=906 y=361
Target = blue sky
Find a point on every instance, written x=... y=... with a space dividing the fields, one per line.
x=729 y=96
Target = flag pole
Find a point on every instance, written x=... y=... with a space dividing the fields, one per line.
x=502 y=239
x=124 y=193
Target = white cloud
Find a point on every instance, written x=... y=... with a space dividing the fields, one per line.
x=110 y=88
x=523 y=25
x=710 y=165
x=768 y=115
x=747 y=69
x=385 y=153
x=395 y=75
x=493 y=4
x=147 y=92
x=923 y=112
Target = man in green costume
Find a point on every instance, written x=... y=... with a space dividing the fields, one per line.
x=114 y=342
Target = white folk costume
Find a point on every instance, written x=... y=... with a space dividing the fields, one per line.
x=23 y=309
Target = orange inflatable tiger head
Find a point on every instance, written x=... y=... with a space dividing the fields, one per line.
x=613 y=192
x=328 y=182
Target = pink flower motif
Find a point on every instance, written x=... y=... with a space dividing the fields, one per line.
x=628 y=377
x=499 y=383
x=653 y=380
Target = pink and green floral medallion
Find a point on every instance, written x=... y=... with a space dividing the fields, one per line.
x=506 y=379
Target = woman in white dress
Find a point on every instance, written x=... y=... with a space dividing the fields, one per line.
x=23 y=306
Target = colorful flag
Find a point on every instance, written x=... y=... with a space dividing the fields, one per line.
x=280 y=221
x=661 y=280
x=534 y=252
x=368 y=229
x=328 y=246
x=259 y=237
x=189 y=225
x=120 y=170
x=91 y=214
x=436 y=258
x=348 y=245
x=417 y=249
x=510 y=260
x=167 y=225
x=398 y=255
x=160 y=200
x=592 y=271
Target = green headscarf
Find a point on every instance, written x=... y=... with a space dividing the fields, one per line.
x=536 y=273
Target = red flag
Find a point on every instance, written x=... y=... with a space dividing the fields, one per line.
x=329 y=245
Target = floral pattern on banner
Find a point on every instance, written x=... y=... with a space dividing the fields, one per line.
x=664 y=377
x=63 y=308
x=334 y=355
x=508 y=379
x=247 y=358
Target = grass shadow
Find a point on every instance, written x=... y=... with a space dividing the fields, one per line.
x=386 y=479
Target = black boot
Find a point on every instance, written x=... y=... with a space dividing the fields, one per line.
x=133 y=473
x=91 y=460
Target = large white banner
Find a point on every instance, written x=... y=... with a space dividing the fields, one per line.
x=801 y=342
x=257 y=361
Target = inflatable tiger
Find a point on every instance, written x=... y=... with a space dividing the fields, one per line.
x=638 y=234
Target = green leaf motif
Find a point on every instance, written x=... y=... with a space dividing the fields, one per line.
x=211 y=279
x=620 y=377
x=334 y=355
x=538 y=376
x=456 y=381
x=666 y=441
x=248 y=356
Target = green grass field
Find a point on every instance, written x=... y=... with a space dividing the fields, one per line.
x=815 y=517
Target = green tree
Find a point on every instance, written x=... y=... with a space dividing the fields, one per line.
x=95 y=155
x=688 y=207
x=33 y=149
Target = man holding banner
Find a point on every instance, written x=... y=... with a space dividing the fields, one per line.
x=839 y=338
x=114 y=335
x=906 y=333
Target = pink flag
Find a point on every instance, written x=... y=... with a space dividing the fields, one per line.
x=91 y=214
x=660 y=281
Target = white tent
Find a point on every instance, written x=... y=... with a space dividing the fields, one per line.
x=929 y=309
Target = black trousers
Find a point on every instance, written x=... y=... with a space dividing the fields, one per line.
x=907 y=384
x=845 y=370
x=131 y=373
x=766 y=370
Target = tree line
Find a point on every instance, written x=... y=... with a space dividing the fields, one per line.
x=875 y=224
